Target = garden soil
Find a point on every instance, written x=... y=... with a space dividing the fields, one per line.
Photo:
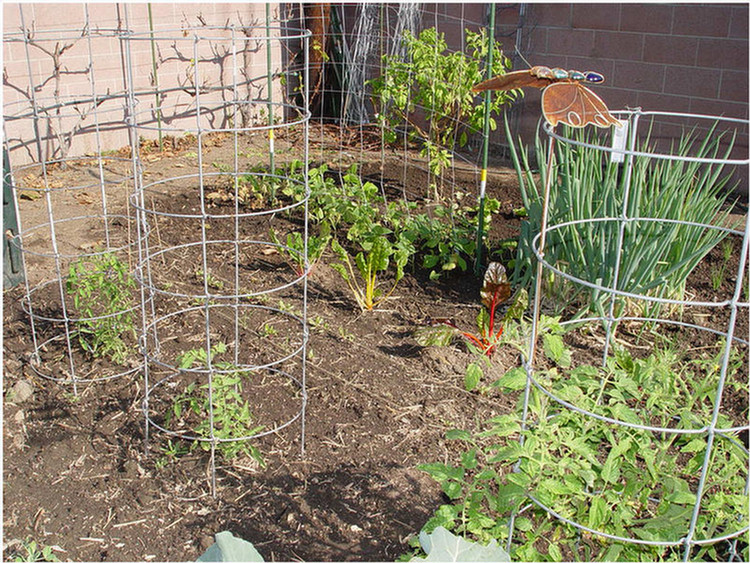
x=79 y=475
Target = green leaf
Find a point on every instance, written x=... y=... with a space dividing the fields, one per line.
x=472 y=377
x=469 y=459
x=598 y=512
x=524 y=524
x=611 y=469
x=341 y=269
x=442 y=545
x=452 y=489
x=694 y=445
x=438 y=335
x=554 y=552
x=440 y=471
x=555 y=349
x=513 y=380
x=458 y=435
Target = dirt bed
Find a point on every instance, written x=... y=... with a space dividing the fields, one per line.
x=78 y=474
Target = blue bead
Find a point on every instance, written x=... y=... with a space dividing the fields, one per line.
x=593 y=77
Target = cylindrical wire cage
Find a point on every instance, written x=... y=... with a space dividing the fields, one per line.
x=78 y=239
x=627 y=309
x=223 y=255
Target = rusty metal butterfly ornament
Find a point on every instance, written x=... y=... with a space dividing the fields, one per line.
x=565 y=98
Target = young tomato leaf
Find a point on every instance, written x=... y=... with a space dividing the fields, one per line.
x=472 y=377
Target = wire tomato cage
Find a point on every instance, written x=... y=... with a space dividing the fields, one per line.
x=224 y=330
x=683 y=316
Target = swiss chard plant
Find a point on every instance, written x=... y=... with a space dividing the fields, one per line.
x=364 y=273
x=294 y=249
x=446 y=238
x=496 y=291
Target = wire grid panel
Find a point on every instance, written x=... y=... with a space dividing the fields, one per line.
x=77 y=232
x=224 y=247
x=346 y=125
x=724 y=433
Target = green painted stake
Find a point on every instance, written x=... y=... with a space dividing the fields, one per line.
x=12 y=263
x=485 y=154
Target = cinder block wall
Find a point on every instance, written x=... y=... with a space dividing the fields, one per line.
x=690 y=58
x=55 y=26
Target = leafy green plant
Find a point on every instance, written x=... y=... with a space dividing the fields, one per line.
x=718 y=274
x=171 y=452
x=495 y=291
x=657 y=256
x=446 y=239
x=435 y=84
x=103 y=295
x=364 y=276
x=294 y=250
x=617 y=480
x=232 y=419
x=348 y=202
x=31 y=551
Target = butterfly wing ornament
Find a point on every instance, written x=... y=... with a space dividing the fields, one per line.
x=565 y=98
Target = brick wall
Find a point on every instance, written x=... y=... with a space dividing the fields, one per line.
x=684 y=58
x=690 y=58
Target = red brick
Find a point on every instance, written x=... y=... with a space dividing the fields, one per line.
x=537 y=42
x=692 y=81
x=738 y=25
x=718 y=108
x=617 y=98
x=504 y=15
x=11 y=16
x=639 y=76
x=650 y=18
x=570 y=42
x=552 y=15
x=596 y=16
x=650 y=101
x=602 y=66
x=701 y=20
x=734 y=86
x=670 y=50
x=723 y=53
x=618 y=45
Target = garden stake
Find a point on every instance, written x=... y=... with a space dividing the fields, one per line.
x=485 y=154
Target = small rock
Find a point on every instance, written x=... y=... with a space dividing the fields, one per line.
x=21 y=391
x=355 y=528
